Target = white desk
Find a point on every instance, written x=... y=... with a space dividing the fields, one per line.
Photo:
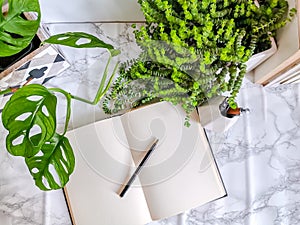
x=259 y=157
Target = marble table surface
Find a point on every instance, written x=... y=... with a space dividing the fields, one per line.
x=258 y=157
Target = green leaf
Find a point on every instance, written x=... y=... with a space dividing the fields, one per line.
x=114 y=52
x=30 y=118
x=80 y=40
x=54 y=164
x=16 y=32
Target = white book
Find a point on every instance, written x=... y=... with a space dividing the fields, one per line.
x=180 y=174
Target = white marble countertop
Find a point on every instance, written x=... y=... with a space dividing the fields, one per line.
x=258 y=158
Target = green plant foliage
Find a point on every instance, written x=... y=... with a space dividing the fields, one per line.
x=81 y=40
x=194 y=50
x=58 y=153
x=30 y=119
x=16 y=32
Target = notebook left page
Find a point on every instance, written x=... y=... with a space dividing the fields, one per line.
x=103 y=163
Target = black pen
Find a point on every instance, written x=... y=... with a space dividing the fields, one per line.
x=138 y=169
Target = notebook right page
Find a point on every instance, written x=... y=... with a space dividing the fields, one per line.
x=181 y=173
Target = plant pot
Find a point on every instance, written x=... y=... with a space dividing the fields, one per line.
x=211 y=117
x=34 y=64
x=259 y=58
x=9 y=63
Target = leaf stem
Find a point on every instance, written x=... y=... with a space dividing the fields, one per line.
x=97 y=98
x=100 y=91
x=6 y=91
x=68 y=114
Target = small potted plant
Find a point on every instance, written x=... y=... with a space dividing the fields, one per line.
x=195 y=50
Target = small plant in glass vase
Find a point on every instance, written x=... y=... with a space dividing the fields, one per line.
x=195 y=50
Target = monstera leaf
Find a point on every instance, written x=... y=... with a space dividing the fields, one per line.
x=81 y=40
x=16 y=32
x=30 y=118
x=53 y=165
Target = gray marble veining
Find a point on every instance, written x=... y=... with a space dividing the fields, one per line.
x=259 y=162
x=20 y=201
x=259 y=157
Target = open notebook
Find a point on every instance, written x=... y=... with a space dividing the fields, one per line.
x=180 y=174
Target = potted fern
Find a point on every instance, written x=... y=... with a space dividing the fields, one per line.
x=195 y=50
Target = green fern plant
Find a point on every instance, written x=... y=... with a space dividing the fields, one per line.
x=194 y=50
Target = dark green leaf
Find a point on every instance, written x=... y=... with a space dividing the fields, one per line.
x=53 y=165
x=80 y=40
x=30 y=118
x=16 y=32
